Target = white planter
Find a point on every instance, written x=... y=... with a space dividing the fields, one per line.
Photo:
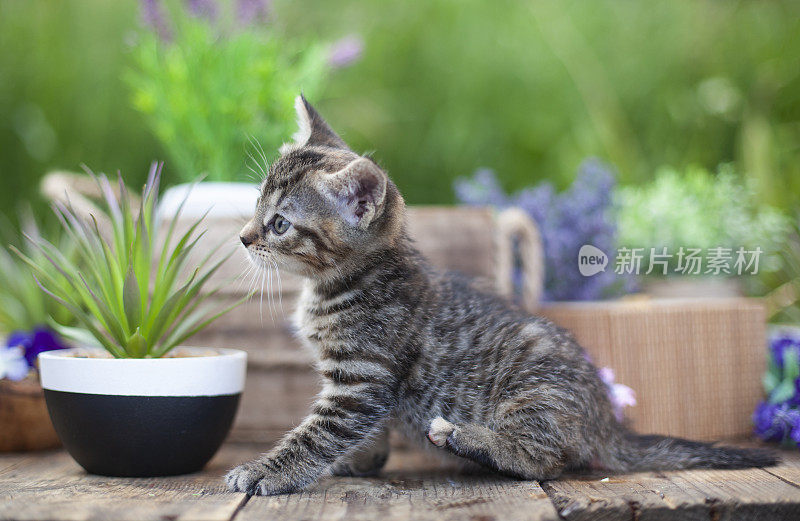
x=220 y=200
x=143 y=417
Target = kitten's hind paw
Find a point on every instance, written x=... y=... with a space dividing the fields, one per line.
x=439 y=431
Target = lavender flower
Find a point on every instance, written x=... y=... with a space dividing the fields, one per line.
x=621 y=395
x=794 y=433
x=346 y=51
x=780 y=343
x=764 y=424
x=251 y=12
x=482 y=189
x=206 y=9
x=12 y=364
x=581 y=215
x=777 y=422
x=778 y=419
x=153 y=17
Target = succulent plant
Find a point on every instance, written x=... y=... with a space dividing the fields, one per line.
x=135 y=292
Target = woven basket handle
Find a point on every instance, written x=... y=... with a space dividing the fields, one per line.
x=519 y=248
x=79 y=191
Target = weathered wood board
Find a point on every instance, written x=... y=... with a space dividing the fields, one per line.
x=50 y=486
x=414 y=485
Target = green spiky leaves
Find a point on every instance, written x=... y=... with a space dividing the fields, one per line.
x=135 y=292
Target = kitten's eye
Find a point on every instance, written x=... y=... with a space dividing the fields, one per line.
x=279 y=224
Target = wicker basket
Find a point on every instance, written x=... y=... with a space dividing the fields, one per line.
x=24 y=422
x=696 y=365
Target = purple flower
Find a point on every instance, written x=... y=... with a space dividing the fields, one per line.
x=780 y=343
x=621 y=395
x=346 y=51
x=154 y=18
x=580 y=215
x=795 y=400
x=482 y=189
x=34 y=342
x=206 y=9
x=776 y=422
x=765 y=426
x=251 y=12
x=12 y=364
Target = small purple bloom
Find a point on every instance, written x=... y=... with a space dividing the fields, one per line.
x=795 y=400
x=776 y=422
x=346 y=51
x=206 y=9
x=154 y=18
x=780 y=343
x=32 y=343
x=621 y=395
x=764 y=422
x=482 y=189
x=251 y=12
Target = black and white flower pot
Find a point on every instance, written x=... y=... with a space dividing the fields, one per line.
x=142 y=417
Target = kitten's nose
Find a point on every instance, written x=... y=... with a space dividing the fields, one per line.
x=249 y=234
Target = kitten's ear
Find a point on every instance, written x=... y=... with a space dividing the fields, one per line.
x=311 y=128
x=358 y=191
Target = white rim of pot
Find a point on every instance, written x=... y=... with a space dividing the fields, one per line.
x=208 y=375
x=220 y=199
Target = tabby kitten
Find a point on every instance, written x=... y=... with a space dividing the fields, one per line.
x=401 y=344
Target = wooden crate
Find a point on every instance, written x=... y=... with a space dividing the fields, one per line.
x=24 y=422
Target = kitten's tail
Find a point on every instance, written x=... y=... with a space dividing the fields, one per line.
x=637 y=452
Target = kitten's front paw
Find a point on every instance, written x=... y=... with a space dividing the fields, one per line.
x=439 y=431
x=256 y=479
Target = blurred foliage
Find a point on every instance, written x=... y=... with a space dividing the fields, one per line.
x=62 y=100
x=695 y=209
x=529 y=89
x=210 y=80
x=23 y=305
x=783 y=286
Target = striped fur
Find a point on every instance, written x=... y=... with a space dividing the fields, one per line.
x=400 y=344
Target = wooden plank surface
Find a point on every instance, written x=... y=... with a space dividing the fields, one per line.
x=50 y=486
x=413 y=486
x=686 y=495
